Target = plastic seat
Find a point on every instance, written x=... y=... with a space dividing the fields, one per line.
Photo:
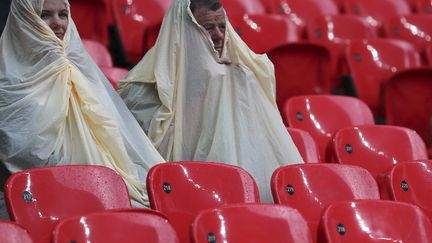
x=375 y=221
x=309 y=188
x=258 y=31
x=181 y=189
x=112 y=227
x=145 y=18
x=378 y=147
x=13 y=233
x=378 y=11
x=371 y=62
x=241 y=8
x=300 y=69
x=423 y=6
x=415 y=29
x=114 y=74
x=93 y=19
x=334 y=32
x=311 y=113
x=410 y=182
x=250 y=223
x=408 y=102
x=38 y=198
x=98 y=52
x=305 y=144
x=303 y=11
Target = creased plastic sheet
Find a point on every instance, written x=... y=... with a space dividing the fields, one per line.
x=196 y=106
x=57 y=108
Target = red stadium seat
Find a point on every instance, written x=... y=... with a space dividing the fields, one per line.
x=323 y=115
x=377 y=147
x=423 y=6
x=114 y=74
x=372 y=62
x=309 y=188
x=38 y=198
x=410 y=182
x=267 y=223
x=371 y=221
x=240 y=7
x=305 y=144
x=378 y=11
x=408 y=102
x=302 y=12
x=13 y=233
x=98 y=52
x=300 y=69
x=93 y=19
x=334 y=32
x=258 y=31
x=180 y=190
x=132 y=226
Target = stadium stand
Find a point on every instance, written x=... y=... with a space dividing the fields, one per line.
x=305 y=144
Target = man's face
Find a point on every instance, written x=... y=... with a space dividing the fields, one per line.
x=214 y=23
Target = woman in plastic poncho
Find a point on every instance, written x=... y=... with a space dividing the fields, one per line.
x=201 y=94
x=56 y=106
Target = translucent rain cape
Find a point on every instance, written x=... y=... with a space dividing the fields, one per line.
x=196 y=106
x=57 y=108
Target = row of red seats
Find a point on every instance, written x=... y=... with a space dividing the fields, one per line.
x=326 y=203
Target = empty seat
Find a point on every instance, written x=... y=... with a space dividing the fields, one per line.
x=241 y=8
x=93 y=19
x=410 y=182
x=408 y=102
x=98 y=52
x=114 y=74
x=38 y=198
x=309 y=188
x=371 y=62
x=334 y=32
x=311 y=113
x=116 y=226
x=250 y=223
x=305 y=144
x=303 y=11
x=13 y=233
x=258 y=31
x=180 y=190
x=423 y=6
x=300 y=69
x=377 y=147
x=372 y=221
x=415 y=29
x=378 y=11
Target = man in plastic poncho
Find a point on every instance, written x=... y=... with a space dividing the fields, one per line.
x=57 y=107
x=201 y=94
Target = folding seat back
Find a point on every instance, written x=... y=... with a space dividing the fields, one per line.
x=415 y=29
x=303 y=11
x=132 y=226
x=305 y=144
x=241 y=8
x=323 y=115
x=410 y=182
x=377 y=147
x=38 y=198
x=300 y=69
x=378 y=11
x=13 y=233
x=250 y=223
x=114 y=74
x=408 y=102
x=423 y=6
x=309 y=188
x=371 y=221
x=373 y=61
x=98 y=52
x=258 y=31
x=93 y=19
x=180 y=190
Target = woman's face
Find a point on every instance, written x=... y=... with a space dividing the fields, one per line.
x=55 y=14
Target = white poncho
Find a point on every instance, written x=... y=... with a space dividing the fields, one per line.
x=195 y=106
x=57 y=108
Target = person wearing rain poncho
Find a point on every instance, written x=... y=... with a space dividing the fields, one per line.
x=202 y=95
x=56 y=106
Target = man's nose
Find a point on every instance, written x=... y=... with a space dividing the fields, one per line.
x=218 y=34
